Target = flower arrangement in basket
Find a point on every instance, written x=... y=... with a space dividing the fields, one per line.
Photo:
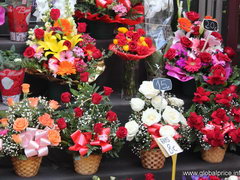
x=155 y=115
x=111 y=11
x=63 y=51
x=30 y=131
x=89 y=127
x=132 y=46
x=197 y=53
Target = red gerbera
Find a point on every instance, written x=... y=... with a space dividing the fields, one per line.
x=193 y=65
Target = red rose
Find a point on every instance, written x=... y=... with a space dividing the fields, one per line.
x=55 y=29
x=195 y=121
x=201 y=96
x=214 y=137
x=205 y=57
x=235 y=135
x=61 y=123
x=219 y=116
x=29 y=52
x=142 y=50
x=236 y=114
x=222 y=57
x=120 y=36
x=68 y=44
x=149 y=42
x=196 y=30
x=171 y=53
x=186 y=42
x=121 y=132
x=39 y=33
x=217 y=35
x=98 y=127
x=107 y=91
x=141 y=32
x=149 y=176
x=84 y=76
x=218 y=75
x=111 y=116
x=55 y=14
x=223 y=98
x=66 y=97
x=135 y=36
x=133 y=46
x=122 y=41
x=78 y=112
x=129 y=34
x=82 y=27
x=96 y=98
x=230 y=52
x=201 y=45
x=97 y=54
x=192 y=16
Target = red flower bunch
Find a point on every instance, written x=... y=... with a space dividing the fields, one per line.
x=132 y=44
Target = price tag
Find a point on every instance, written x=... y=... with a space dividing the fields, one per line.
x=168 y=146
x=210 y=25
x=162 y=84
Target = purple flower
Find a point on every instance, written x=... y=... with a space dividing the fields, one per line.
x=78 y=51
x=2 y=15
x=3 y=132
x=180 y=49
x=181 y=62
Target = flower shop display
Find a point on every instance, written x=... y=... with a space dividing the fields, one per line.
x=60 y=50
x=31 y=130
x=11 y=74
x=131 y=45
x=18 y=13
x=89 y=128
x=155 y=115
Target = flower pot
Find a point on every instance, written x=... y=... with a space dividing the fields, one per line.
x=28 y=167
x=87 y=165
x=10 y=84
x=214 y=154
x=152 y=159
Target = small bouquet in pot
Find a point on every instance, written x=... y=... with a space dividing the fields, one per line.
x=31 y=131
x=89 y=127
x=155 y=115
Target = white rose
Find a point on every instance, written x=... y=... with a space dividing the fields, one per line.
x=167 y=131
x=157 y=104
x=137 y=104
x=147 y=89
x=132 y=129
x=232 y=178
x=176 y=101
x=183 y=120
x=171 y=116
x=151 y=116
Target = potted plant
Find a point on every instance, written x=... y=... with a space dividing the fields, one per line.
x=89 y=128
x=155 y=115
x=31 y=130
x=11 y=74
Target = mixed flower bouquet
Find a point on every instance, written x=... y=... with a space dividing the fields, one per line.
x=197 y=53
x=111 y=11
x=88 y=126
x=155 y=115
x=30 y=127
x=63 y=50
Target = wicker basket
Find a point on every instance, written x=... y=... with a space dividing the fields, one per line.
x=87 y=165
x=214 y=154
x=28 y=167
x=152 y=159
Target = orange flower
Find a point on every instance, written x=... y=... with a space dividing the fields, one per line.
x=4 y=122
x=184 y=24
x=65 y=25
x=33 y=102
x=210 y=17
x=53 y=104
x=20 y=124
x=25 y=88
x=46 y=120
x=10 y=102
x=54 y=137
x=66 y=68
x=16 y=138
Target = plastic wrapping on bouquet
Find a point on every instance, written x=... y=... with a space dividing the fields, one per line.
x=10 y=84
x=18 y=20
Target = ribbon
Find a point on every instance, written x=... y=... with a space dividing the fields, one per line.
x=35 y=142
x=102 y=140
x=81 y=140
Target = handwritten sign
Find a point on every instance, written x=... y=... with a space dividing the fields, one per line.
x=210 y=25
x=162 y=84
x=168 y=146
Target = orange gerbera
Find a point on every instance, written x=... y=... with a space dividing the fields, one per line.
x=46 y=120
x=184 y=24
x=65 y=25
x=66 y=68
x=33 y=102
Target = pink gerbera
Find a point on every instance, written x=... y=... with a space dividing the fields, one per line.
x=67 y=56
x=193 y=65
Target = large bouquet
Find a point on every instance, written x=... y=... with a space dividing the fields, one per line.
x=111 y=11
x=63 y=50
x=198 y=53
x=88 y=125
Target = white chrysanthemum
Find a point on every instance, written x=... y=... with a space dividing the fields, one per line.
x=159 y=102
x=151 y=116
x=171 y=116
x=137 y=104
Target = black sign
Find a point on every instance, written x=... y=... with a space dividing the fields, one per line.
x=162 y=84
x=210 y=25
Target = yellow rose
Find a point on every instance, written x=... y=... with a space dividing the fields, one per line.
x=122 y=30
x=115 y=41
x=126 y=48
